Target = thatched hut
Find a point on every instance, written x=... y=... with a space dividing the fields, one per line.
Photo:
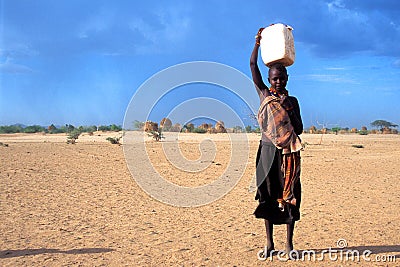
x=176 y=127
x=386 y=130
x=206 y=126
x=211 y=130
x=312 y=130
x=166 y=124
x=150 y=126
x=220 y=127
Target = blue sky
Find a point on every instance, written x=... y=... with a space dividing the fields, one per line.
x=80 y=62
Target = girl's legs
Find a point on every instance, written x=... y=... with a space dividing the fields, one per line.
x=269 y=229
x=289 y=237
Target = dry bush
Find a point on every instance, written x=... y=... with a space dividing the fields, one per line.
x=3 y=144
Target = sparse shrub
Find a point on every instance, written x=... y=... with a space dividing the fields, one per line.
x=199 y=130
x=157 y=135
x=3 y=144
x=188 y=128
x=114 y=140
x=362 y=132
x=72 y=136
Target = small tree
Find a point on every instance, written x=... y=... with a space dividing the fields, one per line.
x=104 y=128
x=115 y=128
x=69 y=128
x=52 y=128
x=189 y=127
x=382 y=124
x=336 y=129
x=138 y=125
x=237 y=129
x=72 y=136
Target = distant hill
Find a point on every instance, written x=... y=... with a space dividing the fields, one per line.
x=19 y=125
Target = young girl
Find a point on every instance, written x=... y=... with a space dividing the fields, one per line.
x=278 y=156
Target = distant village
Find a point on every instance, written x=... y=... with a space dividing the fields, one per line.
x=380 y=127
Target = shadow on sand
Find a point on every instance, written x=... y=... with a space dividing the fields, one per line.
x=30 y=252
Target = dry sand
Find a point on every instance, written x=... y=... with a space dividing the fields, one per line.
x=78 y=205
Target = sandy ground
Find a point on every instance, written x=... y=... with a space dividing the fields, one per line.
x=78 y=205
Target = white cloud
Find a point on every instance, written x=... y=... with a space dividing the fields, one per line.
x=101 y=21
x=343 y=14
x=170 y=29
x=16 y=52
x=396 y=63
x=335 y=68
x=9 y=67
x=344 y=93
x=332 y=78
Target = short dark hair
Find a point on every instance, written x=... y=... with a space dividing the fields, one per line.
x=278 y=66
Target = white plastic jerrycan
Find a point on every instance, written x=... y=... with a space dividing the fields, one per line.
x=277 y=45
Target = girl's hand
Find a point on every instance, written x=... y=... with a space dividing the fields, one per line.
x=258 y=36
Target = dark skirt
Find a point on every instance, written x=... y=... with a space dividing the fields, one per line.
x=270 y=183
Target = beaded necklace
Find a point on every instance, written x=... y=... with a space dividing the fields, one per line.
x=274 y=92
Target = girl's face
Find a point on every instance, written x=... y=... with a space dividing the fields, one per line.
x=277 y=79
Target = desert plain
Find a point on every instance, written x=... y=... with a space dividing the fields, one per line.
x=79 y=205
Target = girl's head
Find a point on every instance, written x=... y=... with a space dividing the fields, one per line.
x=277 y=76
